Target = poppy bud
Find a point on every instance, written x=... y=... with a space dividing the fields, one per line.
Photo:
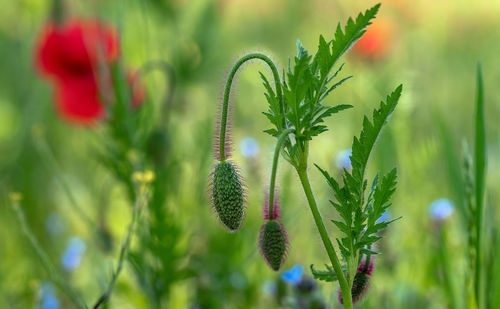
x=360 y=283
x=228 y=195
x=273 y=244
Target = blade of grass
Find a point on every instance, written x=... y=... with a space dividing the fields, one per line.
x=480 y=167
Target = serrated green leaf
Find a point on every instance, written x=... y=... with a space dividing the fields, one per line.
x=362 y=146
x=343 y=40
x=368 y=251
x=328 y=275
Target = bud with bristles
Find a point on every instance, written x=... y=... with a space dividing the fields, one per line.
x=360 y=283
x=273 y=244
x=275 y=213
x=228 y=195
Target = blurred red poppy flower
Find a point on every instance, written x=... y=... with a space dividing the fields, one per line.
x=377 y=41
x=70 y=55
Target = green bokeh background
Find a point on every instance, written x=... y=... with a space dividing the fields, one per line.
x=435 y=48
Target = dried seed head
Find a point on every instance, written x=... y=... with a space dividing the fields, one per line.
x=360 y=283
x=228 y=195
x=273 y=244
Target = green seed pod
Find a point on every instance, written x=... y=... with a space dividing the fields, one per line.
x=273 y=244
x=228 y=195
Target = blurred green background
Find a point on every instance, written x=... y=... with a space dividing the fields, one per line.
x=432 y=48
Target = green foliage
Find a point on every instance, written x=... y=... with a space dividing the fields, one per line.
x=359 y=223
x=327 y=275
x=308 y=82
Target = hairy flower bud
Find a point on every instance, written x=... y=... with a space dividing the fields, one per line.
x=273 y=244
x=228 y=195
x=360 y=283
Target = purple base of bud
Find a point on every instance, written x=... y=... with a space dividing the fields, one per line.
x=361 y=282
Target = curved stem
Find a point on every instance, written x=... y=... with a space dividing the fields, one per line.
x=141 y=201
x=344 y=285
x=272 y=184
x=169 y=71
x=227 y=91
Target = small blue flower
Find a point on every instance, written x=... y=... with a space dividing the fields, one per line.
x=249 y=147
x=55 y=223
x=269 y=287
x=386 y=216
x=73 y=255
x=48 y=299
x=238 y=281
x=441 y=209
x=293 y=275
x=343 y=159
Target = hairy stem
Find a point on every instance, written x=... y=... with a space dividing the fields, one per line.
x=227 y=91
x=141 y=201
x=272 y=184
x=345 y=287
x=51 y=271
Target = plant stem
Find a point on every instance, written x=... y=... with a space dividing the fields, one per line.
x=445 y=260
x=344 y=285
x=52 y=164
x=141 y=201
x=227 y=91
x=169 y=73
x=51 y=271
x=480 y=160
x=272 y=184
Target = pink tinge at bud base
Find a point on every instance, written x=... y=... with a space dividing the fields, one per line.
x=276 y=207
x=361 y=282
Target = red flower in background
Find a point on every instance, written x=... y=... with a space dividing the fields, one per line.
x=377 y=40
x=71 y=55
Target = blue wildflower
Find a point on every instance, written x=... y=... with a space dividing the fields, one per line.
x=343 y=159
x=48 y=299
x=386 y=216
x=55 y=223
x=293 y=275
x=73 y=255
x=249 y=147
x=441 y=209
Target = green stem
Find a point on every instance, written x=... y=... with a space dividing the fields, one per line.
x=480 y=158
x=445 y=262
x=51 y=271
x=141 y=201
x=52 y=164
x=272 y=184
x=344 y=285
x=227 y=91
x=169 y=73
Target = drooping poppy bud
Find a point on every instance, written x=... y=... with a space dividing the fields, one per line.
x=228 y=195
x=273 y=244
